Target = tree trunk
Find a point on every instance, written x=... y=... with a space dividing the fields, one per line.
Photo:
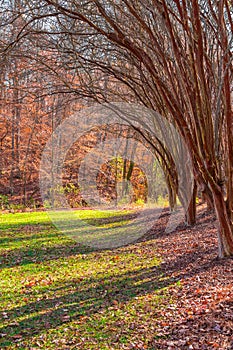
x=225 y=231
x=207 y=197
x=172 y=195
x=190 y=215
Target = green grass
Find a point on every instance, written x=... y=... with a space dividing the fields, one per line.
x=57 y=294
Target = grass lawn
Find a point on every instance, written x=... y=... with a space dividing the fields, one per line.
x=57 y=294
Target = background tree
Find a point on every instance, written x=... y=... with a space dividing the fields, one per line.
x=173 y=57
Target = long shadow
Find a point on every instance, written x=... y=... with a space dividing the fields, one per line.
x=155 y=233
x=208 y=328
x=16 y=227
x=90 y=297
x=32 y=255
x=31 y=236
x=190 y=264
x=97 y=294
x=110 y=219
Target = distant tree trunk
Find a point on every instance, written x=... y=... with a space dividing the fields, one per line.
x=172 y=194
x=190 y=215
x=205 y=190
x=207 y=197
x=185 y=73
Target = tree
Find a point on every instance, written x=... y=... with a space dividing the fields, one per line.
x=173 y=57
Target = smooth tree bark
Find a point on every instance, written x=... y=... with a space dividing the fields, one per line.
x=173 y=57
x=190 y=215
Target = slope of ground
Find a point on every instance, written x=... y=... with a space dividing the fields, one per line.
x=202 y=315
x=168 y=291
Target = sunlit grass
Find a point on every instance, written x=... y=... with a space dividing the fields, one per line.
x=58 y=294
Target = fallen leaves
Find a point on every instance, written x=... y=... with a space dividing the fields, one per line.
x=184 y=303
x=37 y=282
x=203 y=314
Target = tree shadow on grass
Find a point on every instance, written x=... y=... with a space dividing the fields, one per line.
x=84 y=298
x=32 y=255
x=94 y=295
x=37 y=251
x=31 y=236
x=97 y=294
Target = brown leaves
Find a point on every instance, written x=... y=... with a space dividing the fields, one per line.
x=202 y=314
x=32 y=282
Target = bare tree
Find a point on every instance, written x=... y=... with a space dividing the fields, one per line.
x=174 y=57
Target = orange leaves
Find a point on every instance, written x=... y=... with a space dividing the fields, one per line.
x=198 y=291
x=214 y=345
x=116 y=258
x=30 y=284
x=38 y=282
x=27 y=130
